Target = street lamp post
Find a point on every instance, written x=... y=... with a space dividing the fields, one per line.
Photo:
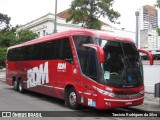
x=137 y=27
x=55 y=20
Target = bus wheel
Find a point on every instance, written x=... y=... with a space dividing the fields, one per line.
x=15 y=85
x=20 y=86
x=72 y=99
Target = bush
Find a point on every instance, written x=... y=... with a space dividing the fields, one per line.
x=3 y=51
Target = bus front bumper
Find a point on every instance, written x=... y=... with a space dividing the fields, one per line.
x=117 y=103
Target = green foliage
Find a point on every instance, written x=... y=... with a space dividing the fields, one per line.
x=158 y=31
x=4 y=21
x=157 y=4
x=3 y=51
x=25 y=35
x=9 y=37
x=88 y=12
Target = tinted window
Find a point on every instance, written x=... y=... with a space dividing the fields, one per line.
x=88 y=64
x=37 y=52
x=87 y=56
x=51 y=50
x=83 y=61
x=27 y=53
x=66 y=53
x=15 y=54
x=122 y=66
x=80 y=40
x=11 y=54
x=18 y=54
x=58 y=49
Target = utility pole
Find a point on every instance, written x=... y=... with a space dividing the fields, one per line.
x=137 y=27
x=55 y=20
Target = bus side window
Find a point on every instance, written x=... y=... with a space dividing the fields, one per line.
x=11 y=55
x=66 y=51
x=27 y=52
x=37 y=52
x=86 y=56
x=83 y=61
x=49 y=50
x=92 y=65
x=57 y=50
x=88 y=64
x=19 y=54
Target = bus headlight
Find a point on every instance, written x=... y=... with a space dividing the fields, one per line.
x=104 y=92
x=142 y=92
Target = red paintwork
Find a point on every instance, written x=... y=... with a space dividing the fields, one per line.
x=82 y=84
x=99 y=50
x=149 y=55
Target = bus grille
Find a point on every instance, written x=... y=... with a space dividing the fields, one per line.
x=127 y=95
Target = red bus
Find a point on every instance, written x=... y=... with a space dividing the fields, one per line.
x=82 y=67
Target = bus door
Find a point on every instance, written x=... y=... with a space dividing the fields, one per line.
x=89 y=73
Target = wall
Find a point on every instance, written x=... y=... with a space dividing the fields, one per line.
x=151 y=77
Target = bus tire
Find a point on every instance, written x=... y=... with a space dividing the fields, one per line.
x=20 y=86
x=72 y=100
x=15 y=85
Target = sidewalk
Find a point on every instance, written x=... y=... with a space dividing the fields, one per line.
x=3 y=70
x=150 y=103
x=2 y=74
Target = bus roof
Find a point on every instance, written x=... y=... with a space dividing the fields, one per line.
x=74 y=32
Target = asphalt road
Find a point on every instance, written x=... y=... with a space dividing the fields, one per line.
x=11 y=100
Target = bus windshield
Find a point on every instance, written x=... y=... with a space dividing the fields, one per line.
x=122 y=66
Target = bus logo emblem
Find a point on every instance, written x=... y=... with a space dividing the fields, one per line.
x=38 y=76
x=61 y=67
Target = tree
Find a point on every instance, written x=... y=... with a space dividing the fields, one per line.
x=11 y=37
x=157 y=4
x=3 y=51
x=158 y=31
x=25 y=35
x=4 y=21
x=88 y=12
x=7 y=37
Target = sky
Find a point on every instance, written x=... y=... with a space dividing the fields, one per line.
x=24 y=11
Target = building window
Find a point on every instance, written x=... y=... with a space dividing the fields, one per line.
x=44 y=32
x=38 y=34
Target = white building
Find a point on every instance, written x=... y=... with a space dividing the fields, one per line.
x=149 y=39
x=148 y=22
x=158 y=41
x=45 y=25
x=148 y=17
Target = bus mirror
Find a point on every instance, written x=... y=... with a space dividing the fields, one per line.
x=149 y=55
x=99 y=50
